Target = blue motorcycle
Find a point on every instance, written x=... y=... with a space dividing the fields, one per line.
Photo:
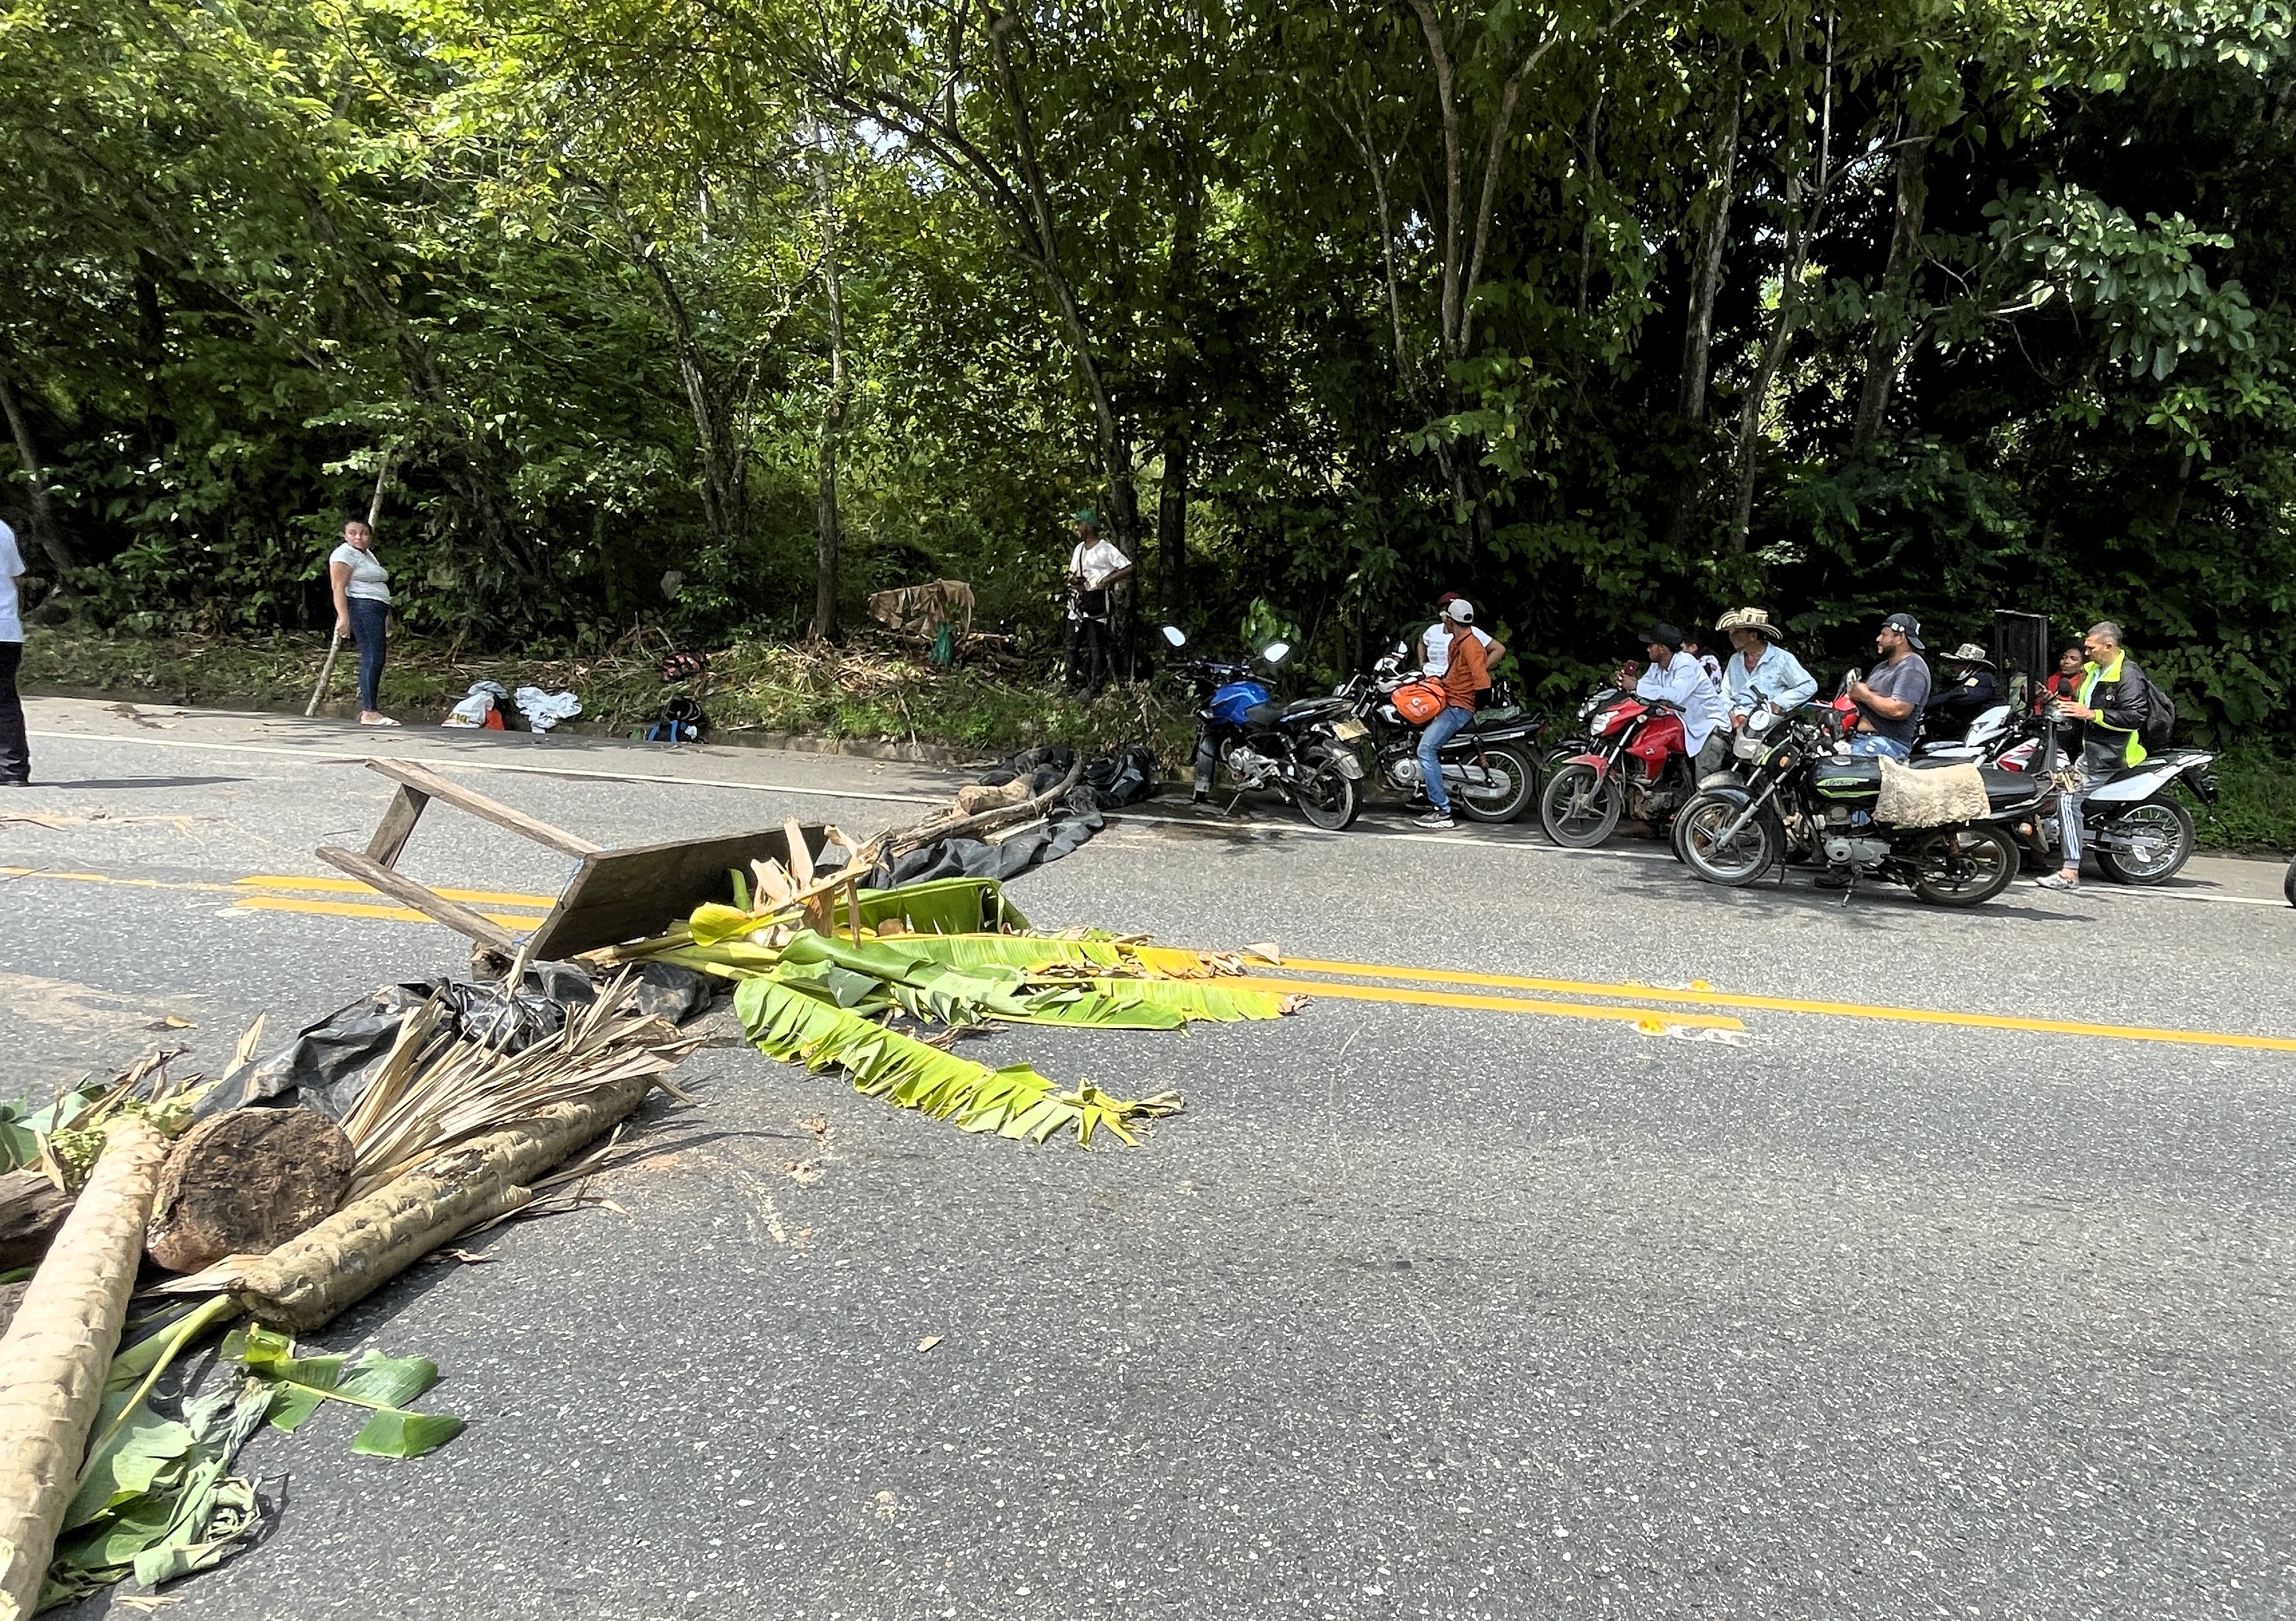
x=1303 y=751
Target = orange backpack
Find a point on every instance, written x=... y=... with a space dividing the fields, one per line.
x=1421 y=702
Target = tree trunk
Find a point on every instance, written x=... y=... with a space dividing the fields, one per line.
x=59 y=1349
x=1179 y=385
x=1172 y=526
x=31 y=1209
x=1595 y=179
x=1885 y=346
x=1115 y=456
x=1706 y=283
x=1808 y=179
x=826 y=532
x=36 y=480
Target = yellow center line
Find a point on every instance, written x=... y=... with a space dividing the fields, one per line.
x=247 y=900
x=1489 y=1004
x=352 y=886
x=354 y=909
x=1795 y=1004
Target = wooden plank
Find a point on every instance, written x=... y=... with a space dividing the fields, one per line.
x=631 y=895
x=437 y=907
x=478 y=805
x=396 y=826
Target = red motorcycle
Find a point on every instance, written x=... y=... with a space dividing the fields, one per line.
x=1636 y=762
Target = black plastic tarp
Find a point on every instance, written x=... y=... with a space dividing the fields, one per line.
x=328 y=1063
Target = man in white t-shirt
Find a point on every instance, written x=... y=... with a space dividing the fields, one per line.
x=1095 y=567
x=15 y=748
x=1435 y=642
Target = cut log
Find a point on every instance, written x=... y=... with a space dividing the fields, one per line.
x=308 y=1280
x=32 y=1210
x=56 y=1353
x=246 y=1182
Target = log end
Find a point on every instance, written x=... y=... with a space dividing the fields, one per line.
x=245 y=1183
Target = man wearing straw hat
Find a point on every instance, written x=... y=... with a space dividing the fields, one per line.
x=1760 y=671
x=1967 y=686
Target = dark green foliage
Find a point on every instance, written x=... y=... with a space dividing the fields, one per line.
x=2003 y=316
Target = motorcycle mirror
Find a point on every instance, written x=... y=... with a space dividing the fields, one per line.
x=1276 y=652
x=1174 y=636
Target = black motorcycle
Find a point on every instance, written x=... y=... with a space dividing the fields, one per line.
x=1491 y=765
x=1788 y=791
x=1254 y=742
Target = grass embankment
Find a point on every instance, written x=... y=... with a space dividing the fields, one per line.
x=872 y=689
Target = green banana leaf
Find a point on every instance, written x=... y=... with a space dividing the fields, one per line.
x=1024 y=951
x=944 y=905
x=378 y=1383
x=788 y=1023
x=157 y=1495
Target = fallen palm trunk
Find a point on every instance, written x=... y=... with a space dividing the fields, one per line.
x=58 y=1351
x=32 y=1209
x=309 y=1280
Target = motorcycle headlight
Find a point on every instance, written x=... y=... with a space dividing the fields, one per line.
x=1747 y=746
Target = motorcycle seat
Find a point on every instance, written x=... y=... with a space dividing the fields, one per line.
x=2001 y=787
x=1263 y=713
x=2009 y=787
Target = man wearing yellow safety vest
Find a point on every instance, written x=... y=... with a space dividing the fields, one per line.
x=2109 y=702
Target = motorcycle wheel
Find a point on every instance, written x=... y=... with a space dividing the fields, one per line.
x=2288 y=884
x=1751 y=852
x=1500 y=804
x=2166 y=829
x=1329 y=798
x=1964 y=866
x=1577 y=810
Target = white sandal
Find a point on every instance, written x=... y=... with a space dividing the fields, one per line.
x=2058 y=880
x=380 y=720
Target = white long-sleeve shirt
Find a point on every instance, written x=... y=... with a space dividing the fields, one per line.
x=1681 y=682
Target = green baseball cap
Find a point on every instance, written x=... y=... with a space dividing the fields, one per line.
x=1085 y=515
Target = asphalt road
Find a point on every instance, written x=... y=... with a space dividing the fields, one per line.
x=1420 y=1308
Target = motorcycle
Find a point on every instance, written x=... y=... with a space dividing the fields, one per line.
x=1491 y=769
x=2139 y=832
x=1303 y=751
x=1635 y=760
x=1787 y=789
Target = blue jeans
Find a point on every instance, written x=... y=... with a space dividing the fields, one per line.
x=370 y=629
x=1887 y=748
x=1440 y=730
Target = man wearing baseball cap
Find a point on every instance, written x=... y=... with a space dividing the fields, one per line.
x=1467 y=673
x=1889 y=698
x=1094 y=567
x=1675 y=677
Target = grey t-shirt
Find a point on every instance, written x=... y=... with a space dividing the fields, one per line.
x=1909 y=679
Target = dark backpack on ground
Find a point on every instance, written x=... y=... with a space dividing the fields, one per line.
x=682 y=721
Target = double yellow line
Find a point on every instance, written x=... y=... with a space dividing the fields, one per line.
x=1700 y=996
x=256 y=896
x=1692 y=1007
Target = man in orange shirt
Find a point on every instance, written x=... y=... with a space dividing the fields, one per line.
x=1468 y=673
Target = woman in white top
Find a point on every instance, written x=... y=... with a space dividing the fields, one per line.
x=362 y=587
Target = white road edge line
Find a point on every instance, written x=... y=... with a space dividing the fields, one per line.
x=331 y=757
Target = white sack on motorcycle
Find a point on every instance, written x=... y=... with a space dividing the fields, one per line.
x=1931 y=796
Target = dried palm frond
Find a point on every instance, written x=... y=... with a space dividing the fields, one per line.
x=410 y=1111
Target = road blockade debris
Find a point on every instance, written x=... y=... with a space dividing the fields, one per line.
x=474 y=1101
x=827 y=987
